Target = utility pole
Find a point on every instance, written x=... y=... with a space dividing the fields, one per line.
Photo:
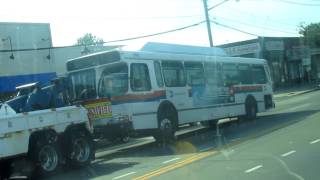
x=208 y=22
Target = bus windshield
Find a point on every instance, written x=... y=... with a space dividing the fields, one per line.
x=113 y=80
x=83 y=84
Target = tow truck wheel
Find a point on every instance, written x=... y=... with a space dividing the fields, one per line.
x=80 y=149
x=125 y=138
x=46 y=155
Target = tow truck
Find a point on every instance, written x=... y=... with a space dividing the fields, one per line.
x=40 y=131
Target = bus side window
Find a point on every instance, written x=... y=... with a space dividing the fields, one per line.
x=158 y=72
x=140 y=80
x=214 y=74
x=173 y=73
x=195 y=73
x=231 y=74
x=219 y=75
x=259 y=75
x=245 y=74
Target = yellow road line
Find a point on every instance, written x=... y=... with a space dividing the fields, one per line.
x=175 y=165
x=208 y=153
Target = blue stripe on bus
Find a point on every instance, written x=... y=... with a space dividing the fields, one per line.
x=9 y=83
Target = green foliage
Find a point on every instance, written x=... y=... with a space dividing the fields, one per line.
x=311 y=34
x=89 y=39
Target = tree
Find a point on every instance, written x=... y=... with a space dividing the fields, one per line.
x=311 y=34
x=89 y=39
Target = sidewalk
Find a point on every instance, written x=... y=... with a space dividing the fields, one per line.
x=294 y=90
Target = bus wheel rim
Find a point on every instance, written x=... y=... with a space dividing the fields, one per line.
x=165 y=124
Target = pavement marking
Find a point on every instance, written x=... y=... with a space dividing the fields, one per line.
x=288 y=153
x=315 y=141
x=176 y=165
x=205 y=149
x=170 y=160
x=253 y=169
x=124 y=175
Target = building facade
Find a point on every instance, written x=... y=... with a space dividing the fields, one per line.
x=289 y=60
x=18 y=64
x=27 y=55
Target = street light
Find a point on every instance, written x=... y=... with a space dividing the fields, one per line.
x=9 y=38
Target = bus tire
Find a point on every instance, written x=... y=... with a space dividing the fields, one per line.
x=45 y=153
x=166 y=125
x=80 y=148
x=251 y=109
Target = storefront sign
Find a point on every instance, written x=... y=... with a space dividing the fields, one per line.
x=274 y=46
x=252 y=48
x=299 y=52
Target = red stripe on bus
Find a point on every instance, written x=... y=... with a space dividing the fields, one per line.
x=138 y=96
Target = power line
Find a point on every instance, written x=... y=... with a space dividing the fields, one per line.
x=233 y=28
x=238 y=12
x=113 y=41
x=220 y=3
x=156 y=34
x=297 y=3
x=260 y=27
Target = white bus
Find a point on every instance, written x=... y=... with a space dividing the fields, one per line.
x=157 y=92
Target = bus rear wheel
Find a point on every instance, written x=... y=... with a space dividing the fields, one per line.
x=251 y=110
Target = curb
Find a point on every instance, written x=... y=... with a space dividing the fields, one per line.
x=297 y=94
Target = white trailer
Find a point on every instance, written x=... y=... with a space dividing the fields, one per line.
x=44 y=138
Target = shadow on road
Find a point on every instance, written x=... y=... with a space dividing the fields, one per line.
x=97 y=169
x=191 y=142
x=264 y=124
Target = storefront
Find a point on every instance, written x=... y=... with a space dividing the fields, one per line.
x=287 y=59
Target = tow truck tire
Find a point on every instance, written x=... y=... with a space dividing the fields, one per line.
x=46 y=155
x=125 y=138
x=80 y=149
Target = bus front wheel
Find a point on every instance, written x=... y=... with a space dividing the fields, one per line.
x=166 y=127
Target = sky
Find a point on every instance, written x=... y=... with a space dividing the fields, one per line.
x=121 y=19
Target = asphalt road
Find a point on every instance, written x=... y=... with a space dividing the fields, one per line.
x=281 y=144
